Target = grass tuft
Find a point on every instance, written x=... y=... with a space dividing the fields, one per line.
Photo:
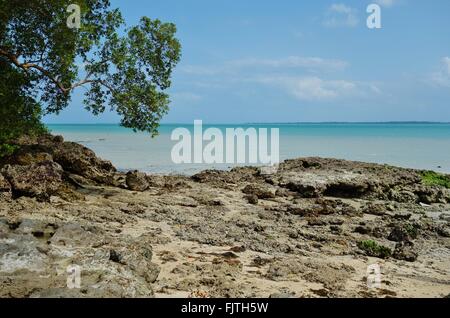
x=434 y=178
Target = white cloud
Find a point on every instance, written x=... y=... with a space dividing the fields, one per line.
x=187 y=97
x=312 y=88
x=386 y=3
x=303 y=78
x=293 y=62
x=340 y=15
x=234 y=66
x=446 y=62
x=442 y=77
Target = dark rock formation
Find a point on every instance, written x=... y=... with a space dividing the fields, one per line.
x=137 y=181
x=39 y=180
x=260 y=191
x=405 y=251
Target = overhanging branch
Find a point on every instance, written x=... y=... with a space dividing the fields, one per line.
x=65 y=90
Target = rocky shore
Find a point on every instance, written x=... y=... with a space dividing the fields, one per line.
x=309 y=229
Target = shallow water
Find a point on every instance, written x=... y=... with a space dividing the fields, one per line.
x=411 y=145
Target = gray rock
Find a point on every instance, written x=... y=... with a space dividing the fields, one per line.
x=5 y=188
x=251 y=198
x=137 y=181
x=39 y=180
x=72 y=234
x=260 y=191
x=405 y=251
x=399 y=234
x=75 y=158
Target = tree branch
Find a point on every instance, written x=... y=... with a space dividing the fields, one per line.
x=65 y=90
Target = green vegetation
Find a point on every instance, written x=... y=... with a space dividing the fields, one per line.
x=434 y=178
x=19 y=114
x=412 y=230
x=42 y=61
x=372 y=248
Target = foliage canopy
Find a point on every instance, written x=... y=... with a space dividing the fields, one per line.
x=42 y=61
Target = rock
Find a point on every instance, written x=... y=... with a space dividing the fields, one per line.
x=431 y=194
x=137 y=256
x=375 y=209
x=316 y=222
x=402 y=216
x=402 y=196
x=75 y=158
x=5 y=188
x=443 y=231
x=365 y=230
x=336 y=221
x=251 y=198
x=311 y=190
x=71 y=234
x=156 y=181
x=282 y=295
x=336 y=229
x=58 y=139
x=405 y=251
x=238 y=249
x=137 y=181
x=34 y=267
x=399 y=234
x=25 y=158
x=282 y=192
x=39 y=180
x=258 y=261
x=348 y=189
x=258 y=190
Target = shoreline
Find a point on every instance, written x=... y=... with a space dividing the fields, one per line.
x=309 y=230
x=419 y=148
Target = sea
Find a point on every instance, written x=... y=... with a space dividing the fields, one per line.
x=411 y=145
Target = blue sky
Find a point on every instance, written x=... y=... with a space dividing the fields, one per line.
x=299 y=61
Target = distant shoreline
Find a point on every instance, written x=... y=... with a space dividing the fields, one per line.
x=282 y=123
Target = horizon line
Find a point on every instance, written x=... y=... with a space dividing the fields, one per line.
x=274 y=123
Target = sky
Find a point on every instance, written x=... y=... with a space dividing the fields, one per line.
x=299 y=61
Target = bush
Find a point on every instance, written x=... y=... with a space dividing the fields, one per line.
x=434 y=178
x=372 y=248
x=19 y=113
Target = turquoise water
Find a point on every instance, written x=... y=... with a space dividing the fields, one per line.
x=412 y=145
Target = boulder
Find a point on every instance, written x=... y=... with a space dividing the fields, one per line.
x=307 y=190
x=137 y=181
x=4 y=184
x=72 y=234
x=258 y=190
x=405 y=251
x=77 y=159
x=399 y=234
x=27 y=157
x=39 y=180
x=5 y=188
x=251 y=198
x=137 y=256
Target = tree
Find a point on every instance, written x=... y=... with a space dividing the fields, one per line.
x=19 y=113
x=127 y=69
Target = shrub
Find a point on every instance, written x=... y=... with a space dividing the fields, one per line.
x=372 y=248
x=434 y=178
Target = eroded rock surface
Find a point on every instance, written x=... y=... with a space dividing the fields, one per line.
x=310 y=229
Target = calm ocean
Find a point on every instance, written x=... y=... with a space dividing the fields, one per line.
x=412 y=145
